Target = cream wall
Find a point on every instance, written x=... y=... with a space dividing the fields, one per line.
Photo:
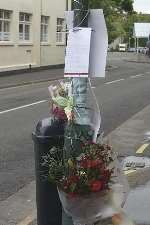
x=15 y=54
x=53 y=52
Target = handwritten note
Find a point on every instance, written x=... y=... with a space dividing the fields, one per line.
x=99 y=41
x=78 y=52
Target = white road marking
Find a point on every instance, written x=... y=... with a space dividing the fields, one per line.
x=22 y=107
x=129 y=172
x=138 y=75
x=114 y=81
x=25 y=85
x=142 y=149
x=15 y=87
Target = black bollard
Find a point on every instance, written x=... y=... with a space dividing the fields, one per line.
x=49 y=133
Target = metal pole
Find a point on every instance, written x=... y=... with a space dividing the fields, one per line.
x=135 y=43
x=129 y=42
x=80 y=8
x=79 y=86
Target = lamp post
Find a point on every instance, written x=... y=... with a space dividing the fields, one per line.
x=79 y=92
x=80 y=8
x=129 y=43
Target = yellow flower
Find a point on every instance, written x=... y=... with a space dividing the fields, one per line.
x=71 y=164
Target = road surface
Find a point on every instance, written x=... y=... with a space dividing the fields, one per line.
x=124 y=92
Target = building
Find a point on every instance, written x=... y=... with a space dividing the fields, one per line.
x=32 y=33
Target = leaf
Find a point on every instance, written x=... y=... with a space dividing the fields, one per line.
x=61 y=101
x=70 y=163
x=73 y=187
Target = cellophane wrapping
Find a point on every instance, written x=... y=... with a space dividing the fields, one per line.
x=86 y=210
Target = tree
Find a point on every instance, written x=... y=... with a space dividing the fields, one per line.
x=129 y=25
x=113 y=11
x=113 y=6
x=127 y=6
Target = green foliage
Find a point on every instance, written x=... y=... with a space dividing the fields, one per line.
x=115 y=12
x=120 y=17
x=127 y=5
x=112 y=6
x=75 y=134
x=91 y=171
x=128 y=26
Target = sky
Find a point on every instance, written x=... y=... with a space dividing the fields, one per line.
x=142 y=6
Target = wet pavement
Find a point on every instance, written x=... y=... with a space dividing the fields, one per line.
x=132 y=142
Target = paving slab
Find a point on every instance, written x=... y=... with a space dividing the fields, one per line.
x=20 y=208
x=127 y=138
x=138 y=204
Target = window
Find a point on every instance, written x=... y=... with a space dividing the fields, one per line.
x=44 y=28
x=24 y=26
x=60 y=36
x=5 y=18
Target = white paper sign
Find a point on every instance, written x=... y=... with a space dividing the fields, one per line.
x=78 y=52
x=99 y=41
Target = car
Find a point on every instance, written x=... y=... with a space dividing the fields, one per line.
x=131 y=49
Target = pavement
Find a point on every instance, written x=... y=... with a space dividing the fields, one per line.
x=28 y=78
x=32 y=77
x=139 y=58
x=20 y=208
x=131 y=57
x=134 y=136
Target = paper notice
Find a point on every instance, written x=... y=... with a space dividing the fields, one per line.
x=99 y=41
x=78 y=52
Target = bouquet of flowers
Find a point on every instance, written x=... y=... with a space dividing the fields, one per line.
x=88 y=173
x=60 y=99
x=90 y=182
x=83 y=182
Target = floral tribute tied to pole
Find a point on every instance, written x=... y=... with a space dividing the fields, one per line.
x=90 y=183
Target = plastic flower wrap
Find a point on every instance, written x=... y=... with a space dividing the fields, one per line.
x=89 y=178
x=61 y=101
x=87 y=184
x=64 y=105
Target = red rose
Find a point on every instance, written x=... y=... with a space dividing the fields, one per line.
x=96 y=186
x=74 y=179
x=83 y=164
x=59 y=113
x=95 y=163
x=106 y=174
x=89 y=163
